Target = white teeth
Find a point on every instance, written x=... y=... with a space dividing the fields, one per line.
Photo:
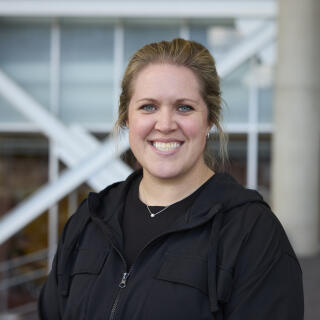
x=163 y=146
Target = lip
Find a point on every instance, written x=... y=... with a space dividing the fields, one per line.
x=168 y=140
x=165 y=153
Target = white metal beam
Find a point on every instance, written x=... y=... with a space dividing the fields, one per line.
x=53 y=222
x=238 y=128
x=247 y=48
x=119 y=169
x=118 y=54
x=46 y=196
x=253 y=137
x=138 y=8
x=23 y=127
x=72 y=149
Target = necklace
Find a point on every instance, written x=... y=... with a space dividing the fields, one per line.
x=153 y=214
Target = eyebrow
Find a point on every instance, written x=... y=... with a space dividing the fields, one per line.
x=177 y=101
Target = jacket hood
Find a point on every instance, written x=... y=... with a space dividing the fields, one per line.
x=222 y=190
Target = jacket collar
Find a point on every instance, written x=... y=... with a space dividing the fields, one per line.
x=221 y=193
x=222 y=190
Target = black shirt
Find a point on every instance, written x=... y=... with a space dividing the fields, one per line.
x=137 y=225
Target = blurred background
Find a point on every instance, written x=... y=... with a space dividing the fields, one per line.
x=61 y=64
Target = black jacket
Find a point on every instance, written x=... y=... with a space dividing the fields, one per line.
x=227 y=258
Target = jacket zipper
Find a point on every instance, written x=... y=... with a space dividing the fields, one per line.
x=123 y=282
x=122 y=285
x=125 y=275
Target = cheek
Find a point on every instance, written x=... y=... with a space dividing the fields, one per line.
x=139 y=129
x=195 y=129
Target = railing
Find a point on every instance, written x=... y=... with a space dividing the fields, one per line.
x=27 y=310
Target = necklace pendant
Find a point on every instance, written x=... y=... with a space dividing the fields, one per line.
x=152 y=215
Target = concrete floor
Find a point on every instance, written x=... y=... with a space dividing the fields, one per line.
x=311 y=284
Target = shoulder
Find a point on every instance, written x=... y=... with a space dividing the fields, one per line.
x=246 y=218
x=251 y=222
x=75 y=223
x=252 y=237
x=100 y=205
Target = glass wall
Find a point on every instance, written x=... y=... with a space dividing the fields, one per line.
x=235 y=93
x=136 y=34
x=86 y=70
x=85 y=65
x=25 y=58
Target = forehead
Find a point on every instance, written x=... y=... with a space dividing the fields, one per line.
x=162 y=78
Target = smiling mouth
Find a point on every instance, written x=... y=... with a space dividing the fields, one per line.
x=166 y=146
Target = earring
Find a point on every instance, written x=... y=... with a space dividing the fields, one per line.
x=208 y=135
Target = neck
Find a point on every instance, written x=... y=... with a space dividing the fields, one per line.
x=155 y=191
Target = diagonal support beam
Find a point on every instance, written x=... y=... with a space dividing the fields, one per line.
x=72 y=147
x=46 y=196
x=247 y=48
x=119 y=169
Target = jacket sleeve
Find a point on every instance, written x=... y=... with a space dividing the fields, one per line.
x=50 y=300
x=48 y=303
x=267 y=278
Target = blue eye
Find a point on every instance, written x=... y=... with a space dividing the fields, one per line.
x=148 y=107
x=185 y=108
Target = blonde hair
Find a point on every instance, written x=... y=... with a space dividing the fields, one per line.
x=193 y=56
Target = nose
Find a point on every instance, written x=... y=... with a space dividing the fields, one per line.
x=165 y=121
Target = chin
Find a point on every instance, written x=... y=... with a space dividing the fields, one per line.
x=163 y=172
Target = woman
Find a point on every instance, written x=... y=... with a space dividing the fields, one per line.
x=176 y=240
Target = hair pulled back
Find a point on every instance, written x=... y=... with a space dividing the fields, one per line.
x=193 y=56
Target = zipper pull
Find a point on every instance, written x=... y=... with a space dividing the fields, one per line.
x=123 y=282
